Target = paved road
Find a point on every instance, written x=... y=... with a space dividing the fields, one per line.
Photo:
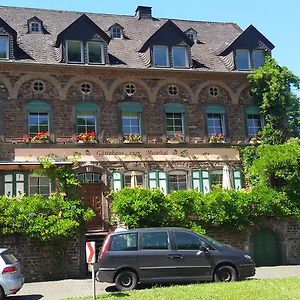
x=56 y=290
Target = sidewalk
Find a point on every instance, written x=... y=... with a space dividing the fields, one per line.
x=57 y=290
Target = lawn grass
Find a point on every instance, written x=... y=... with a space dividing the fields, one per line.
x=267 y=289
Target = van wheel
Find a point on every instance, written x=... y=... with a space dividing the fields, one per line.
x=225 y=274
x=2 y=296
x=126 y=281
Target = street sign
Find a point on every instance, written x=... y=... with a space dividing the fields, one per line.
x=90 y=252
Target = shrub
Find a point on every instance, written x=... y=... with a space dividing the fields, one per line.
x=44 y=218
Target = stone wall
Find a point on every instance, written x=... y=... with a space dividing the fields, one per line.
x=287 y=231
x=42 y=262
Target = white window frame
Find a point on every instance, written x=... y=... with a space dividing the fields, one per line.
x=185 y=57
x=261 y=123
x=101 y=50
x=39 y=186
x=114 y=30
x=216 y=172
x=178 y=172
x=6 y=38
x=38 y=113
x=39 y=27
x=84 y=116
x=255 y=51
x=167 y=56
x=249 y=59
x=81 y=54
x=173 y=132
x=129 y=114
x=130 y=174
x=222 y=118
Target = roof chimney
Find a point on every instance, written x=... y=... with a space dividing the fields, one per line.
x=143 y=12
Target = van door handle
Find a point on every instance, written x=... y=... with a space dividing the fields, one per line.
x=175 y=256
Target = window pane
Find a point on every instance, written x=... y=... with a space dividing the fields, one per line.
x=74 y=51
x=160 y=56
x=39 y=185
x=3 y=47
x=216 y=177
x=174 y=124
x=254 y=124
x=8 y=189
x=179 y=57
x=155 y=240
x=187 y=241
x=215 y=124
x=259 y=58
x=86 y=123
x=95 y=52
x=177 y=182
x=116 y=32
x=38 y=122
x=242 y=60
x=131 y=123
x=124 y=242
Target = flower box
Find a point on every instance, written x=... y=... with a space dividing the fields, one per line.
x=132 y=138
x=86 y=137
x=217 y=138
x=39 y=138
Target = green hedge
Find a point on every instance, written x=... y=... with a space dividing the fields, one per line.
x=141 y=207
x=44 y=218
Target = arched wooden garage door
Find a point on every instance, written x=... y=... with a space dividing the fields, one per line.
x=267 y=249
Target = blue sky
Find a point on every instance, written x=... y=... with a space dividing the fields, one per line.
x=279 y=21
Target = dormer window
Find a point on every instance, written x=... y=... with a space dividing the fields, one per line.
x=74 y=51
x=192 y=35
x=34 y=27
x=95 y=52
x=258 y=58
x=179 y=55
x=162 y=54
x=242 y=59
x=116 y=32
x=4 y=47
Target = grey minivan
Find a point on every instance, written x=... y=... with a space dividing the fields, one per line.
x=169 y=255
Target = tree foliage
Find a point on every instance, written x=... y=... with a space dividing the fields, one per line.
x=275 y=166
x=271 y=85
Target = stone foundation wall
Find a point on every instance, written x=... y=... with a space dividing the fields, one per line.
x=42 y=262
x=287 y=231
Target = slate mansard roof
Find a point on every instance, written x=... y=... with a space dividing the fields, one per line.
x=213 y=37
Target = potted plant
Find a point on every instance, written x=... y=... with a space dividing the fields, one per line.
x=39 y=137
x=217 y=138
x=254 y=140
x=132 y=138
x=86 y=137
x=178 y=137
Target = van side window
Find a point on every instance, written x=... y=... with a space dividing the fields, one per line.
x=155 y=240
x=123 y=242
x=187 y=241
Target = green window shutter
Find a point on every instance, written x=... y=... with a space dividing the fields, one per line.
x=152 y=180
x=237 y=179
x=252 y=110
x=131 y=107
x=174 y=108
x=163 y=182
x=117 y=181
x=205 y=181
x=14 y=183
x=196 y=180
x=38 y=106
x=85 y=107
x=215 y=109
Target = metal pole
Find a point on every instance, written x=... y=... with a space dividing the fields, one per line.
x=94 y=283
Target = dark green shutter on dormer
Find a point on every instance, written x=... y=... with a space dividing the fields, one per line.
x=158 y=180
x=237 y=179
x=201 y=181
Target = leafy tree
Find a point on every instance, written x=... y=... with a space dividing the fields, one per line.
x=271 y=85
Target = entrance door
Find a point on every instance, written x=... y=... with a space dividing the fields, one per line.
x=91 y=195
x=266 y=248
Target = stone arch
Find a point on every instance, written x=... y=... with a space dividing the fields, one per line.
x=188 y=95
x=117 y=85
x=36 y=76
x=244 y=97
x=85 y=78
x=5 y=87
x=221 y=84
